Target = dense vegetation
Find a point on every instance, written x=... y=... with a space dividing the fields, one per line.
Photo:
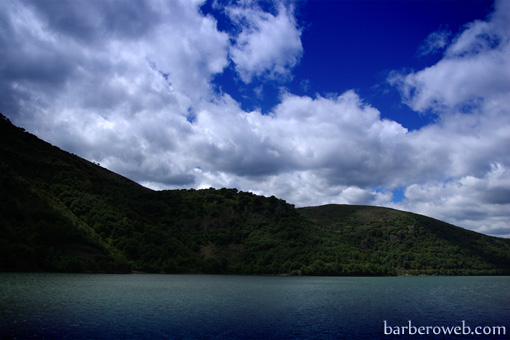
x=59 y=212
x=411 y=243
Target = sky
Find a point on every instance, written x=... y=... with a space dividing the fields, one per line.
x=403 y=104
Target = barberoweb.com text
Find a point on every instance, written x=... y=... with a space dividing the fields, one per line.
x=462 y=329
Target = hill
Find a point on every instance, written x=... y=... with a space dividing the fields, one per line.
x=59 y=212
x=412 y=243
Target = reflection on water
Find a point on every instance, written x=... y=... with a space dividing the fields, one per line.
x=145 y=306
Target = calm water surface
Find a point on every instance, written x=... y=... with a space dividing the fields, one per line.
x=144 y=306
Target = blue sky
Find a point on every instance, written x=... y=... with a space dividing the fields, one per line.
x=355 y=45
x=393 y=103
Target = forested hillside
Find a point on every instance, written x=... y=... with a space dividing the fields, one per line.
x=59 y=212
x=411 y=243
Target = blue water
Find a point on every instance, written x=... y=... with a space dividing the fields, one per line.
x=145 y=306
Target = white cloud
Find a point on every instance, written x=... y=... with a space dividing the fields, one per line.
x=268 y=44
x=341 y=138
x=465 y=179
x=117 y=97
x=476 y=68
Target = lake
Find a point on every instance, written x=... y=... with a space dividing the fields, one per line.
x=153 y=306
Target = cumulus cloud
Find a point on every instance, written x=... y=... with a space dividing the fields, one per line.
x=268 y=44
x=81 y=78
x=140 y=101
x=341 y=138
x=468 y=90
x=475 y=69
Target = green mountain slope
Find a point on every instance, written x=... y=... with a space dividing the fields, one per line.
x=37 y=230
x=412 y=243
x=59 y=212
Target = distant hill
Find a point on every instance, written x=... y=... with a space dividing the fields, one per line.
x=59 y=212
